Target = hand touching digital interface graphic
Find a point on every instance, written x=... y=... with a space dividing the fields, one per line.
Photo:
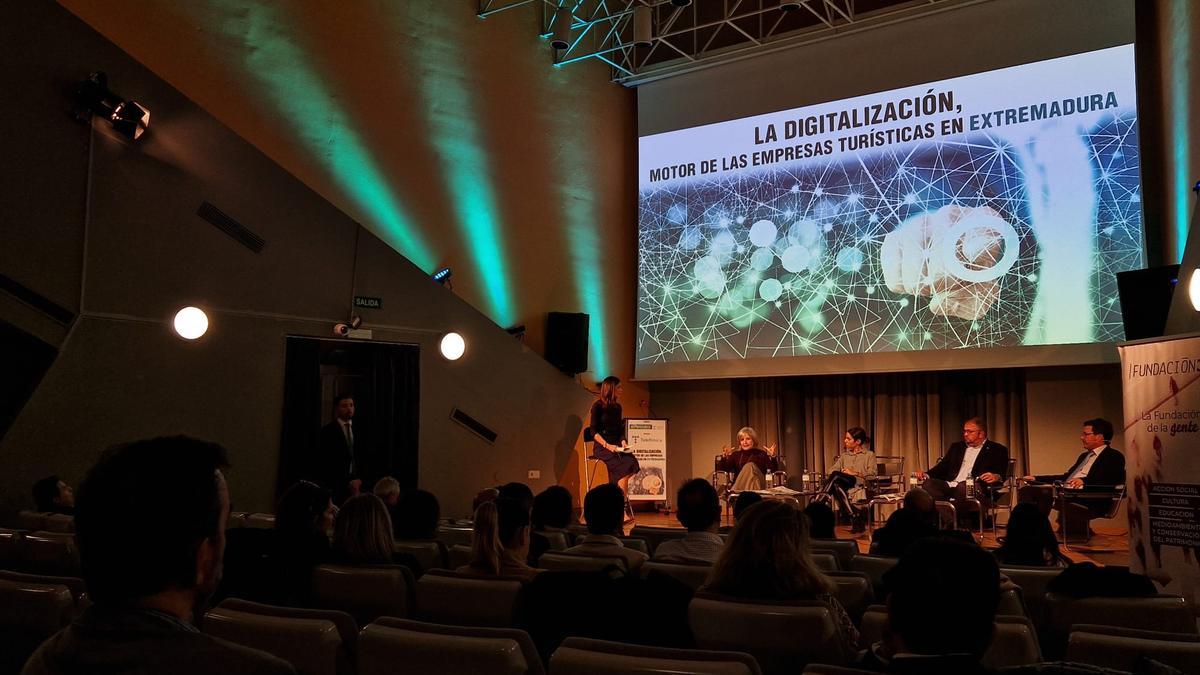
x=955 y=256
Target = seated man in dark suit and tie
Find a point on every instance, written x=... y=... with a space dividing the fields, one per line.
x=1098 y=468
x=334 y=465
x=975 y=457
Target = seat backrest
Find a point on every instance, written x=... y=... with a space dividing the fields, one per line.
x=1033 y=582
x=346 y=626
x=366 y=592
x=382 y=648
x=558 y=540
x=1168 y=613
x=870 y=628
x=579 y=656
x=38 y=608
x=826 y=562
x=842 y=549
x=854 y=591
x=874 y=566
x=451 y=536
x=825 y=669
x=73 y=584
x=889 y=465
x=32 y=520
x=236 y=519
x=635 y=544
x=459 y=555
x=313 y=646
x=10 y=548
x=60 y=522
x=262 y=521
x=782 y=638
x=523 y=639
x=430 y=554
x=656 y=535
x=1010 y=603
x=692 y=576
x=50 y=553
x=1122 y=653
x=467 y=600
x=571 y=562
x=1014 y=643
x=947 y=515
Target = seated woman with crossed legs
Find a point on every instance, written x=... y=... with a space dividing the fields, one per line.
x=749 y=463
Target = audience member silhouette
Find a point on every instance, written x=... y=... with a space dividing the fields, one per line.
x=52 y=495
x=500 y=542
x=604 y=511
x=767 y=558
x=820 y=520
x=146 y=590
x=417 y=513
x=303 y=521
x=1030 y=540
x=699 y=512
x=362 y=532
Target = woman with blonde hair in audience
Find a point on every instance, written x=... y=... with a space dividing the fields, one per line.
x=500 y=542
x=767 y=558
x=362 y=532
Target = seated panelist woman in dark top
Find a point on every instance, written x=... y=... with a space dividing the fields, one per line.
x=608 y=431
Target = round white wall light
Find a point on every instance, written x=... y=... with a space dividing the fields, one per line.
x=191 y=323
x=1194 y=289
x=452 y=346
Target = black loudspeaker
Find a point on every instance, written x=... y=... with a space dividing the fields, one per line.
x=567 y=341
x=1146 y=299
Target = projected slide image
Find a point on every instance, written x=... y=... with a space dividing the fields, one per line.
x=985 y=211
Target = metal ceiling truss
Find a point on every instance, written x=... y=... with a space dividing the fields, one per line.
x=706 y=32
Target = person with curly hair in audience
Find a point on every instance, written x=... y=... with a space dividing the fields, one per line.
x=767 y=558
x=500 y=542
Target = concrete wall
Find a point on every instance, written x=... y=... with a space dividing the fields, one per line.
x=108 y=229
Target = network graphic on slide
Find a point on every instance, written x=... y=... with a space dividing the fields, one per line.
x=974 y=240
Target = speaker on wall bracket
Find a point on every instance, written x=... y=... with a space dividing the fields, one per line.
x=567 y=341
x=1146 y=299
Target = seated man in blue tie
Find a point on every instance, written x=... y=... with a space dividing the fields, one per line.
x=1098 y=467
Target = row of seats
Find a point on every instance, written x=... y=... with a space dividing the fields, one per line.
x=39 y=552
x=33 y=521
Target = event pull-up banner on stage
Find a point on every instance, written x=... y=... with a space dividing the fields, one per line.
x=647 y=439
x=1162 y=432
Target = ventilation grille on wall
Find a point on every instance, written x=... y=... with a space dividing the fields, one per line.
x=231 y=227
x=475 y=426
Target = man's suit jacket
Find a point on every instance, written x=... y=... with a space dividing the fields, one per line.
x=993 y=458
x=331 y=464
x=1107 y=470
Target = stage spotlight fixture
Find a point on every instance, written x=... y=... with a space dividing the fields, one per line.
x=643 y=26
x=443 y=275
x=93 y=97
x=516 y=331
x=562 y=29
x=452 y=346
x=789 y=6
x=191 y=323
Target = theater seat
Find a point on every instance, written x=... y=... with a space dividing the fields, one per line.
x=584 y=656
x=365 y=592
x=468 y=599
x=59 y=522
x=826 y=562
x=32 y=520
x=558 y=540
x=10 y=548
x=451 y=536
x=459 y=555
x=429 y=554
x=692 y=576
x=1033 y=582
x=30 y=613
x=261 y=521
x=854 y=591
x=390 y=646
x=842 y=549
x=874 y=567
x=573 y=562
x=1014 y=643
x=51 y=553
x=782 y=638
x=653 y=536
x=313 y=646
x=1111 y=649
x=237 y=519
x=346 y=626
x=1166 y=613
x=73 y=584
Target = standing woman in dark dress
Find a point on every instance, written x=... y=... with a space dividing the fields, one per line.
x=608 y=430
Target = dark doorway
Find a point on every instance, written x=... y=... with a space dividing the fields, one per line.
x=383 y=378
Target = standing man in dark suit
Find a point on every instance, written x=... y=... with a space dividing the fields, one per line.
x=335 y=465
x=1098 y=467
x=975 y=457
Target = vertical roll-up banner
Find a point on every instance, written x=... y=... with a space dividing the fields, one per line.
x=1161 y=391
x=647 y=440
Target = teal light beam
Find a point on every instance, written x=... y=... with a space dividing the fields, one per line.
x=583 y=240
x=451 y=116
x=296 y=91
x=1181 y=53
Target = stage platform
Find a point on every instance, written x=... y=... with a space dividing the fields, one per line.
x=1107 y=547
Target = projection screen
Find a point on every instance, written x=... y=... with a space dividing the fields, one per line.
x=972 y=221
